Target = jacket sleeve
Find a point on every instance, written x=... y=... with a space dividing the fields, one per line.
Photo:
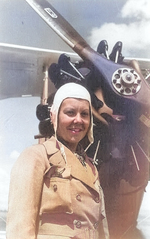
x=25 y=193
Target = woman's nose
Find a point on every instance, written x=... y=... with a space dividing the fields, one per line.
x=78 y=118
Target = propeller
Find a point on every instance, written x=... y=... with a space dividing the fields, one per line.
x=130 y=82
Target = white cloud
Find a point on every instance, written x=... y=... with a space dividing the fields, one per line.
x=14 y=154
x=134 y=35
x=4 y=189
x=5 y=169
x=138 y=9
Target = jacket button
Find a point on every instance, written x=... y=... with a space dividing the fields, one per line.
x=55 y=187
x=97 y=199
x=77 y=223
x=95 y=225
x=78 y=197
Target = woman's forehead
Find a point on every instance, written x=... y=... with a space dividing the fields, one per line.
x=75 y=101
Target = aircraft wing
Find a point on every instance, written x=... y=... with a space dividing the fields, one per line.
x=22 y=69
x=144 y=65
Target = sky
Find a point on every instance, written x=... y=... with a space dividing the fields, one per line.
x=132 y=29
x=113 y=20
x=95 y=20
x=17 y=129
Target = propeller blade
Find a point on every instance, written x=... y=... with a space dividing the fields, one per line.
x=53 y=18
x=121 y=79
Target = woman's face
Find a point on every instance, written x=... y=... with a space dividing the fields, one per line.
x=73 y=121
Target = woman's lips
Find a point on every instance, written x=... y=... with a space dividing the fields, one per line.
x=75 y=130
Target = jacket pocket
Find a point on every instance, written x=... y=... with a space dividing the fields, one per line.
x=56 y=197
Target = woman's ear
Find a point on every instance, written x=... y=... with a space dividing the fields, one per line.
x=51 y=118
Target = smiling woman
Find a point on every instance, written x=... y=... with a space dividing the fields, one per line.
x=58 y=185
x=71 y=114
x=73 y=121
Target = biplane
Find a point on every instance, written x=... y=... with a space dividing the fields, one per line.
x=121 y=122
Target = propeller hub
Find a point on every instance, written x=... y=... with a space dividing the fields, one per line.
x=126 y=81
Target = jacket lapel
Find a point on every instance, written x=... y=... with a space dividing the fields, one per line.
x=87 y=175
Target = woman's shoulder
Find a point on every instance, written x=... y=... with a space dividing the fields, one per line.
x=39 y=148
x=33 y=150
x=35 y=155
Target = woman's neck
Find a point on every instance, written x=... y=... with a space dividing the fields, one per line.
x=71 y=147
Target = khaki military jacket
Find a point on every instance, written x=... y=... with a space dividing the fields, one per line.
x=52 y=195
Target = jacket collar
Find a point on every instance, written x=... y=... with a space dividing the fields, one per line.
x=87 y=175
x=51 y=146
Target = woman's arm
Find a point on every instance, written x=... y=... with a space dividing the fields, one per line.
x=25 y=193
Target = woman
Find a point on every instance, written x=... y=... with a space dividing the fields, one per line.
x=54 y=189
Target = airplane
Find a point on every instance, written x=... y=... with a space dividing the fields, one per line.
x=128 y=165
x=37 y=61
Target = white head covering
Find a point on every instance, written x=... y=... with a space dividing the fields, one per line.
x=71 y=90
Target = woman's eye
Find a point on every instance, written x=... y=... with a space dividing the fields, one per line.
x=70 y=113
x=85 y=114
